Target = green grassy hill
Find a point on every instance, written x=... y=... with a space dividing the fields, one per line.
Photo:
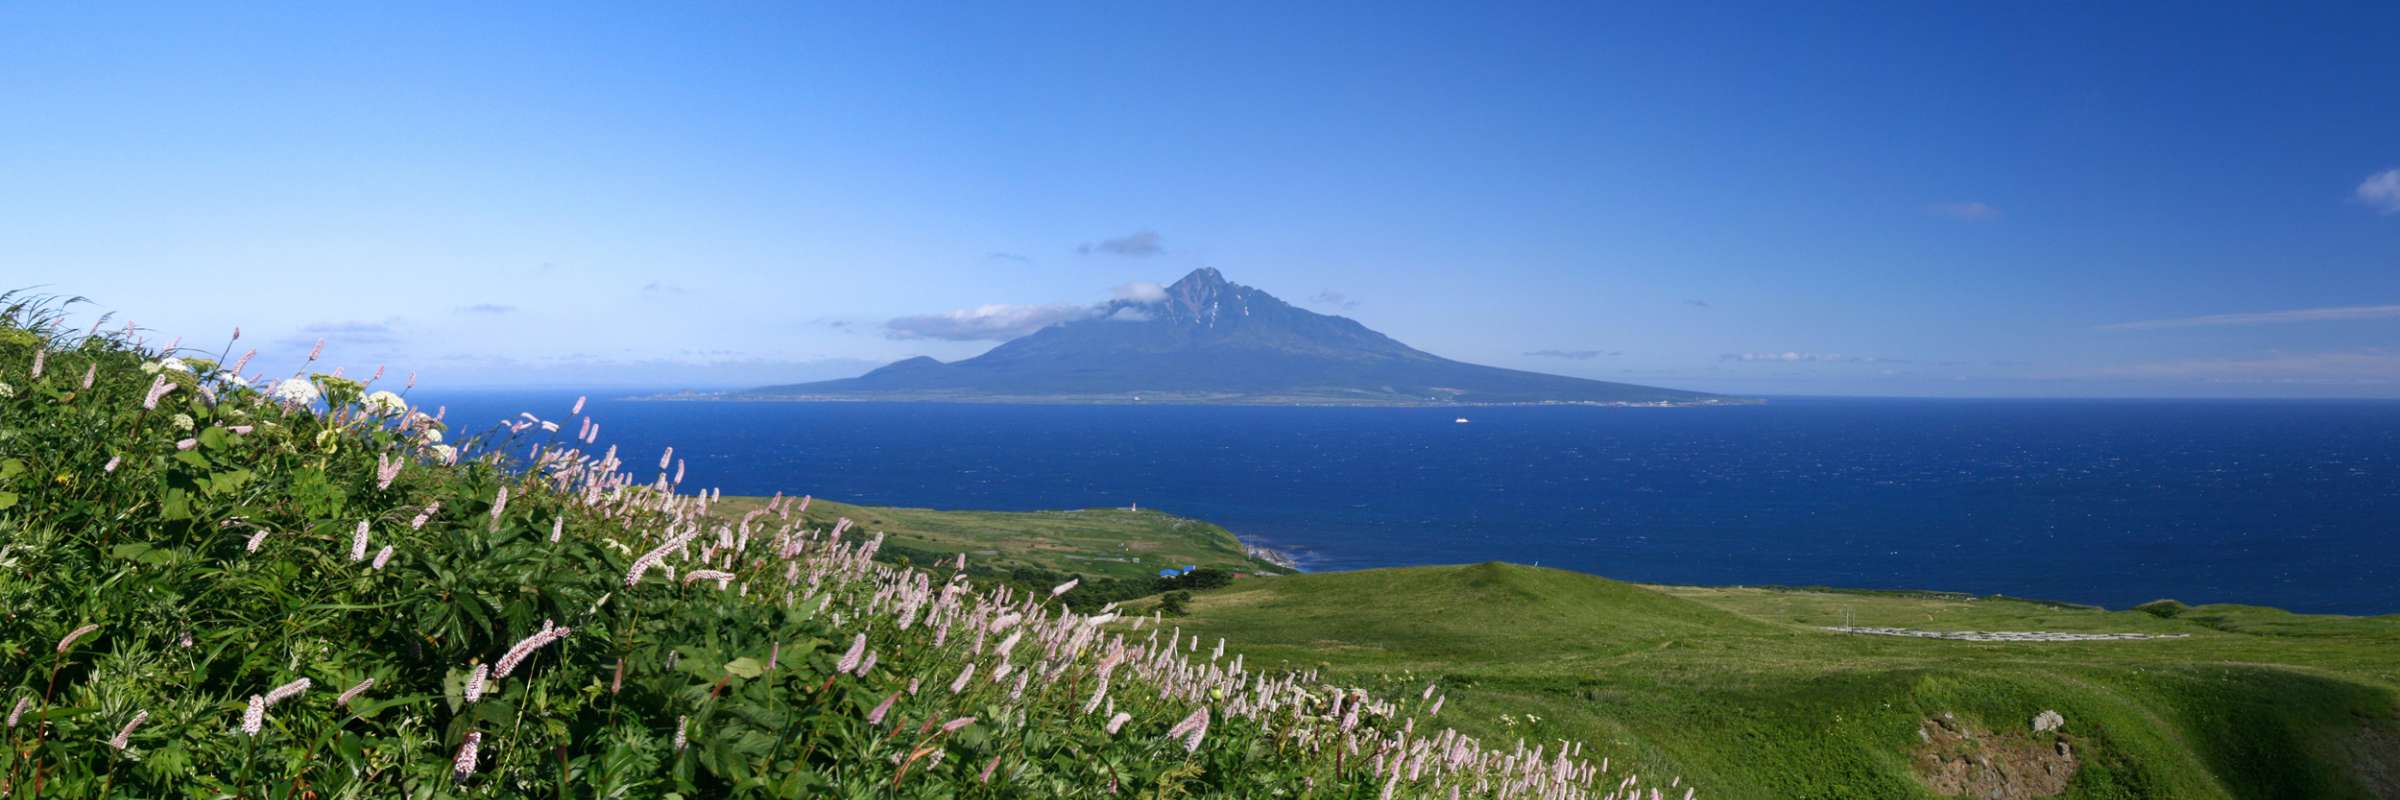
x=1093 y=542
x=1743 y=691
x=215 y=586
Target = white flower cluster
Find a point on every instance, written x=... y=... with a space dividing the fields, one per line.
x=295 y=392
x=384 y=404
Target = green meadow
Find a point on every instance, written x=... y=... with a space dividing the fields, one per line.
x=1744 y=692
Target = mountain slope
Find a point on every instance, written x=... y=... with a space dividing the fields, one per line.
x=1211 y=340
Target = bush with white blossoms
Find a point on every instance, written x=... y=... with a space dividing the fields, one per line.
x=190 y=614
x=384 y=404
x=295 y=392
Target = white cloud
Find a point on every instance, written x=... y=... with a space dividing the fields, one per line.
x=2381 y=190
x=1139 y=244
x=1789 y=357
x=987 y=323
x=2327 y=314
x=1971 y=210
x=2360 y=367
x=1140 y=292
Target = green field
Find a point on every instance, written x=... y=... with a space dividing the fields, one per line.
x=1742 y=692
x=1093 y=542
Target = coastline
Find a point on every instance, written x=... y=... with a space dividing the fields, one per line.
x=1119 y=400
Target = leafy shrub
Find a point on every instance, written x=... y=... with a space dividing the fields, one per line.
x=214 y=585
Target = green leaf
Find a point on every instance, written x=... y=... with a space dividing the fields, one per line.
x=193 y=458
x=746 y=667
x=214 y=438
x=8 y=499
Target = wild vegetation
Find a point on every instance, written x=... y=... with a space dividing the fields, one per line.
x=1746 y=691
x=215 y=584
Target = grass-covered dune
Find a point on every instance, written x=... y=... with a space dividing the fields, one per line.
x=1745 y=692
x=217 y=581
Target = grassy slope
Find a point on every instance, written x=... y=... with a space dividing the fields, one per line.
x=1097 y=542
x=1739 y=691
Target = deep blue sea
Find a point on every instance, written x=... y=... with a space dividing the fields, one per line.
x=2287 y=503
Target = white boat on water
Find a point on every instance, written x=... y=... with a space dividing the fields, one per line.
x=1460 y=420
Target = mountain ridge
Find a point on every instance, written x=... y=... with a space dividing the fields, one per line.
x=1205 y=339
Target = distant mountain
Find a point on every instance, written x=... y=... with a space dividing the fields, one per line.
x=1211 y=340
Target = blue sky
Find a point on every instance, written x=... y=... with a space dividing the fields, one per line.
x=1902 y=199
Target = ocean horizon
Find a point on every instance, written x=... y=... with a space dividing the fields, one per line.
x=2110 y=502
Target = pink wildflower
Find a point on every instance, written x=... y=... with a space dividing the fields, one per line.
x=849 y=661
x=316 y=351
x=256 y=539
x=474 y=687
x=1064 y=587
x=125 y=735
x=986 y=775
x=17 y=713
x=38 y=354
x=1191 y=729
x=525 y=647
x=681 y=724
x=186 y=444
x=111 y=466
x=1117 y=722
x=358 y=542
x=499 y=506
x=254 y=719
x=78 y=633
x=874 y=717
x=382 y=557
x=353 y=692
x=954 y=725
x=159 y=387
x=578 y=409
x=464 y=766
x=964 y=675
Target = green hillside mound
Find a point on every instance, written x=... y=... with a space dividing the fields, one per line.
x=1746 y=692
x=219 y=585
x=1097 y=543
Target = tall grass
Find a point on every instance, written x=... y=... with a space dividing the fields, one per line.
x=218 y=585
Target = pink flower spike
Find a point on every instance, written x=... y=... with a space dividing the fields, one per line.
x=954 y=725
x=125 y=735
x=354 y=692
x=78 y=633
x=463 y=767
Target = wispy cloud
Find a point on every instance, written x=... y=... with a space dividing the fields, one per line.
x=1139 y=244
x=986 y=323
x=2328 y=314
x=343 y=333
x=1970 y=211
x=1696 y=303
x=659 y=288
x=487 y=308
x=2381 y=191
x=1791 y=357
x=2370 y=367
x=1574 y=355
x=1140 y=292
x=1332 y=299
